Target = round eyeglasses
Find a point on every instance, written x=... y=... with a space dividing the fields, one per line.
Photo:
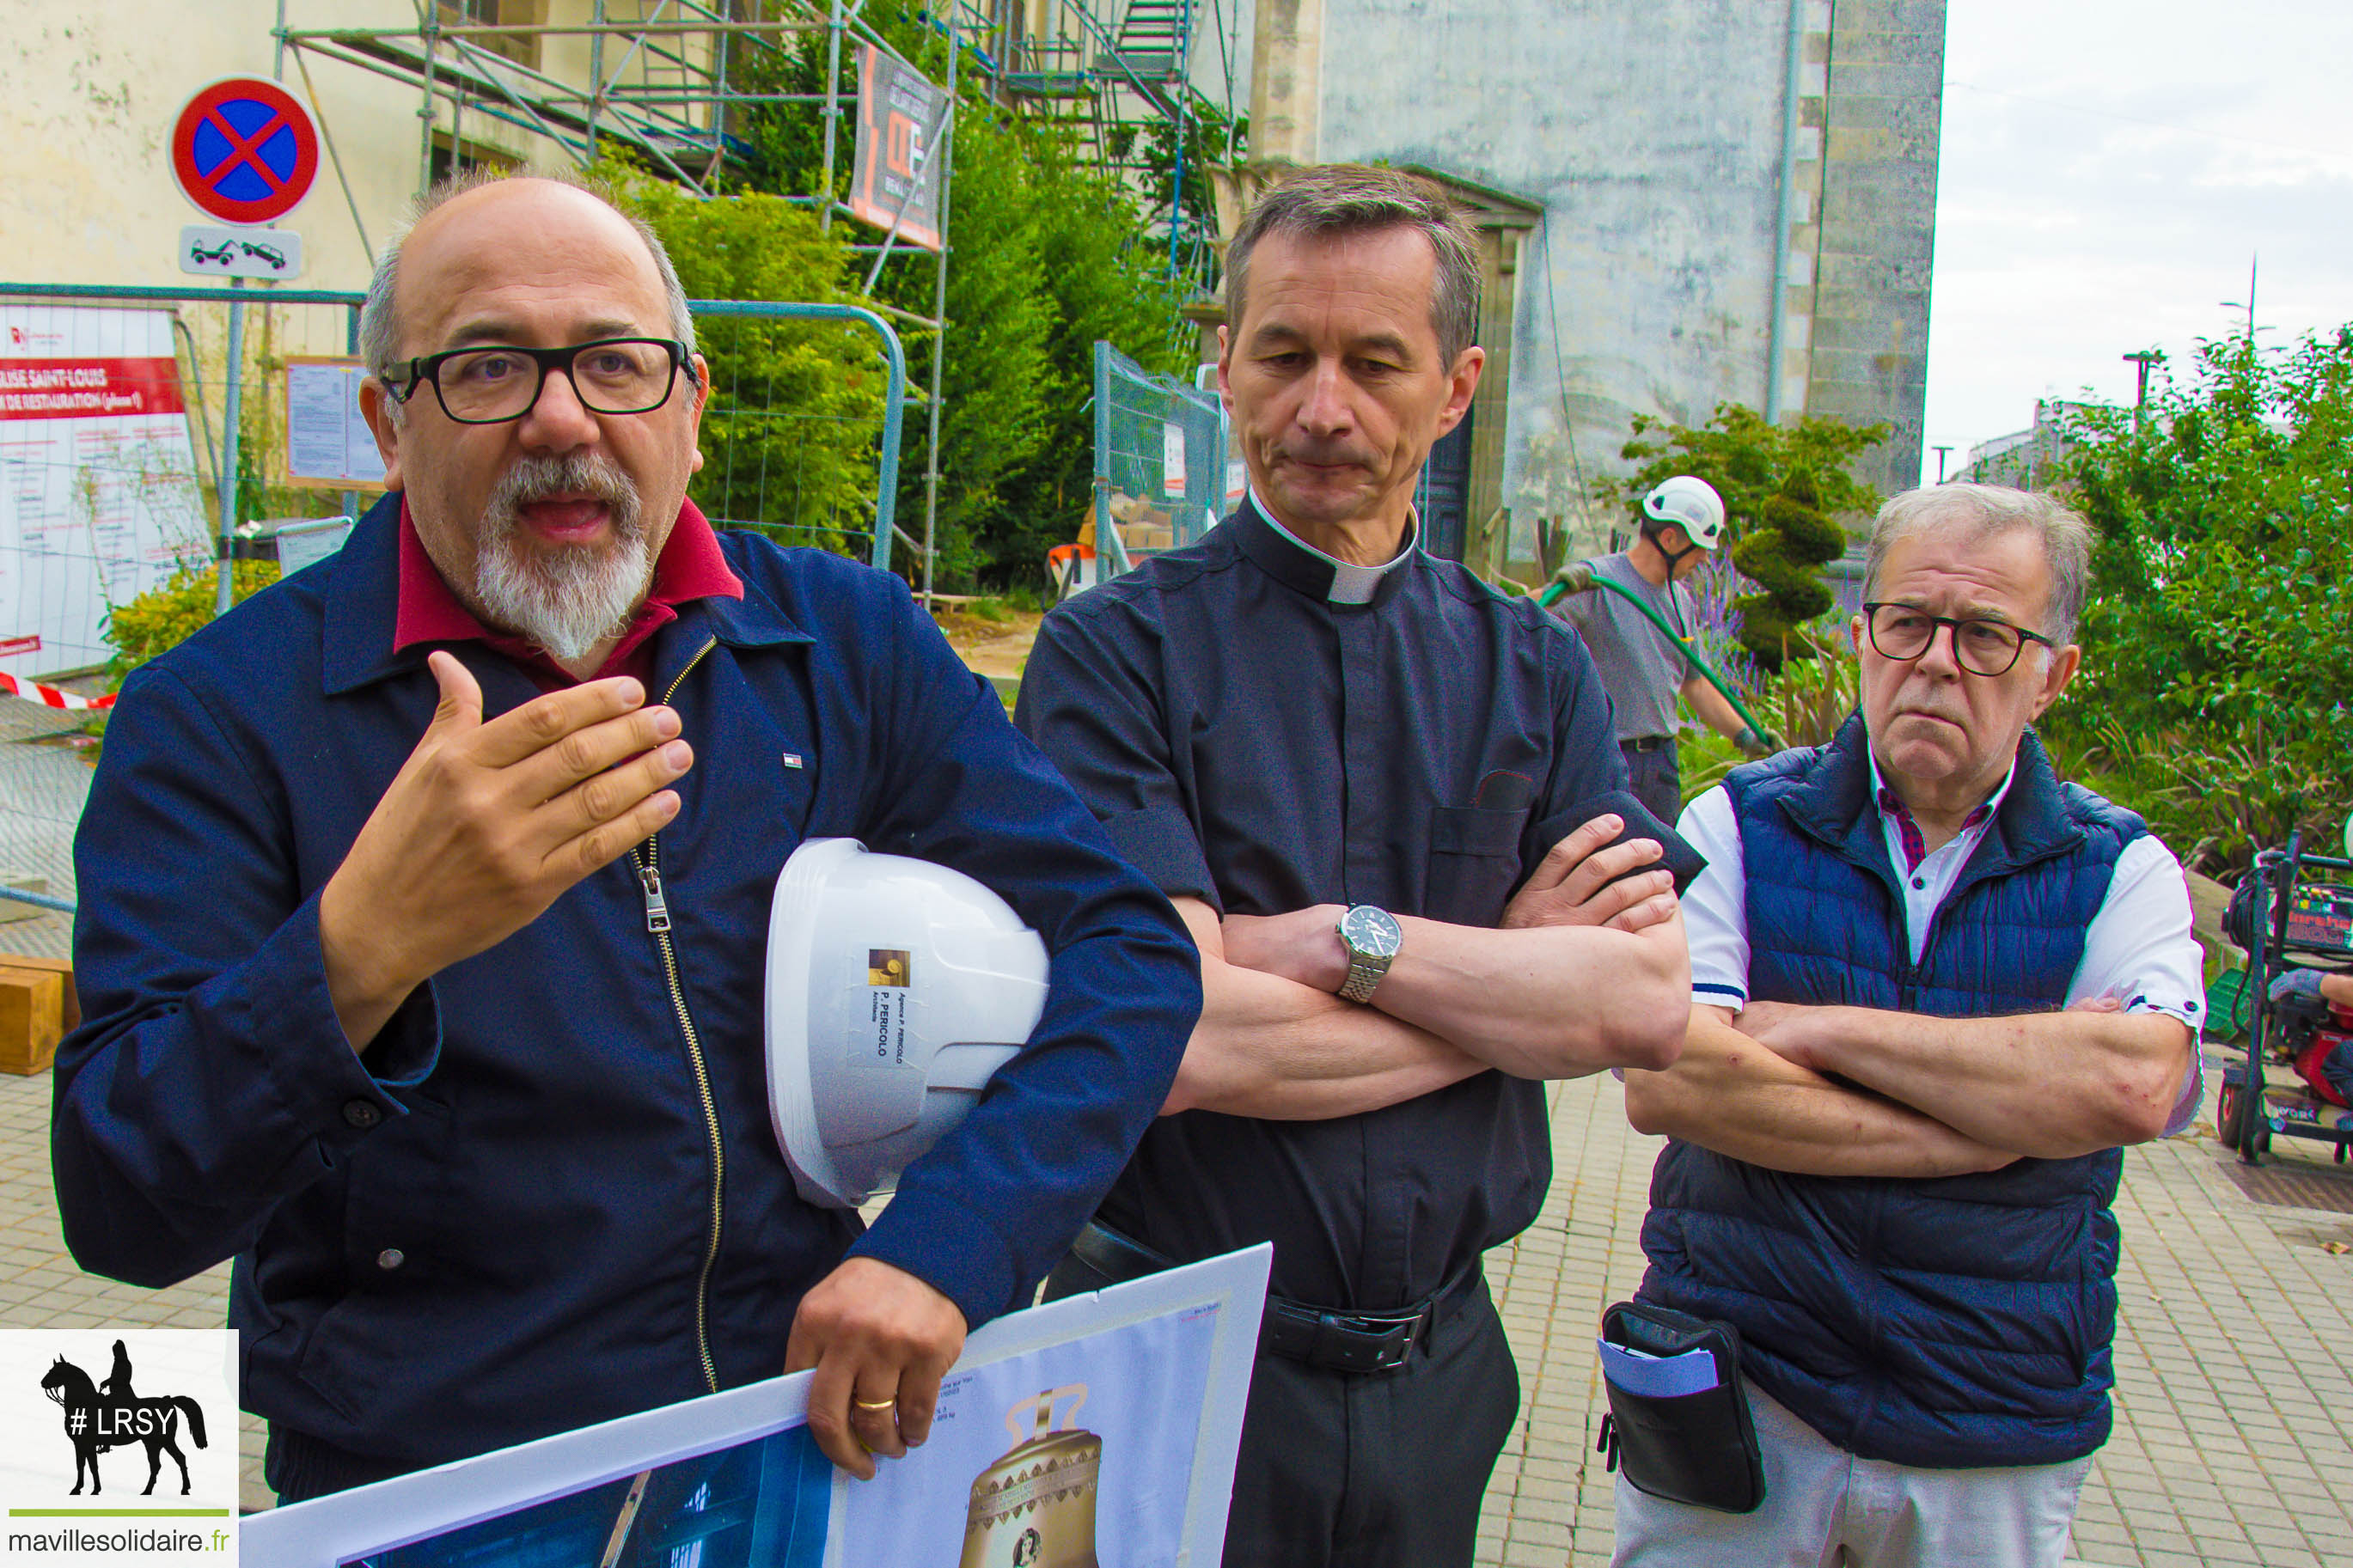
x=1981 y=647
x=493 y=385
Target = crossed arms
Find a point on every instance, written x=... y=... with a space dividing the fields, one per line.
x=1854 y=1091
x=1588 y=973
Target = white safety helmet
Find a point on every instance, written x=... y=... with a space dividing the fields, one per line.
x=1692 y=505
x=895 y=989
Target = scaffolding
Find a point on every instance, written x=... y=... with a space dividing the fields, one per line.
x=1115 y=77
x=672 y=81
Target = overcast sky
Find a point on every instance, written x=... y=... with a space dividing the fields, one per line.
x=2109 y=166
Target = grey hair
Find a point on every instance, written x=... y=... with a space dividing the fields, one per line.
x=1985 y=511
x=1335 y=199
x=379 y=316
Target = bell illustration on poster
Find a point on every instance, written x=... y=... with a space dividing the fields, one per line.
x=1035 y=1508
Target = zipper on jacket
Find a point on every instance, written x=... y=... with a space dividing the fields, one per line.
x=657 y=907
x=647 y=859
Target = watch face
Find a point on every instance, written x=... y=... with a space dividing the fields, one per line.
x=1371 y=931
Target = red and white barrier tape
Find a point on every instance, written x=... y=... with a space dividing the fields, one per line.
x=49 y=696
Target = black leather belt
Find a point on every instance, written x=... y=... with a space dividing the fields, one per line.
x=1322 y=1337
x=1649 y=743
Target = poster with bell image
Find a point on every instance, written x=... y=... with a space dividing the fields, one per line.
x=1096 y=1432
x=1074 y=1456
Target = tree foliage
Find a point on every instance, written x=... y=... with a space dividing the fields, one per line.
x=1047 y=257
x=175 y=610
x=1782 y=486
x=795 y=408
x=1747 y=460
x=2219 y=628
x=1784 y=553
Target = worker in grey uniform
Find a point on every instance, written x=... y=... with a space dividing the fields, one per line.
x=1642 y=668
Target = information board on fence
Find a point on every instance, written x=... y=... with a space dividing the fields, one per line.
x=902 y=118
x=97 y=485
x=328 y=444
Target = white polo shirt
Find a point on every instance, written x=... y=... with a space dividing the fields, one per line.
x=2139 y=949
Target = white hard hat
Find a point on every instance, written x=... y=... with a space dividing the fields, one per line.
x=1692 y=505
x=895 y=988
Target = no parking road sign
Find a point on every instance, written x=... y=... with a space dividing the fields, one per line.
x=245 y=150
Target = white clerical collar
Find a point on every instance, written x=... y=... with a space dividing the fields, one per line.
x=1351 y=584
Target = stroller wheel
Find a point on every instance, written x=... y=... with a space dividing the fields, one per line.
x=2230 y=1115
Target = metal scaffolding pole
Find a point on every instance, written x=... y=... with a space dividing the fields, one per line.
x=232 y=411
x=595 y=70
x=832 y=111
x=425 y=108
x=940 y=332
x=668 y=94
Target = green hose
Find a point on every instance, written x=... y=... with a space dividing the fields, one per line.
x=1579 y=577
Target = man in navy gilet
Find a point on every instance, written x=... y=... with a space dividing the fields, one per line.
x=1936 y=991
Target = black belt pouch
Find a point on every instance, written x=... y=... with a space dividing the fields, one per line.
x=1697 y=1447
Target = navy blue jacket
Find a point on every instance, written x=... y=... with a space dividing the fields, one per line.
x=1953 y=1322
x=516 y=1213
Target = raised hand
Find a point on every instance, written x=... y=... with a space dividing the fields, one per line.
x=484 y=827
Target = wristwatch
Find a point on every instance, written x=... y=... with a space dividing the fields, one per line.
x=1372 y=937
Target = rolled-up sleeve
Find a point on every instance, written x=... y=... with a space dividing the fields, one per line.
x=2141 y=953
x=1716 y=906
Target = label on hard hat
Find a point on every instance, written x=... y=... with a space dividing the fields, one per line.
x=889 y=972
x=895 y=989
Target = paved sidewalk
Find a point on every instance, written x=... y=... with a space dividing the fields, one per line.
x=41 y=792
x=2235 y=1356
x=2233 y=1441
x=41 y=1289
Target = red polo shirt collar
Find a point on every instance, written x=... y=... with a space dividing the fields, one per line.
x=691 y=566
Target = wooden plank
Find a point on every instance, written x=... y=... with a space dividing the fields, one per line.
x=63 y=966
x=31 y=1019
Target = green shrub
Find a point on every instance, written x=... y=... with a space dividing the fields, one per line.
x=2219 y=633
x=1747 y=460
x=1784 y=556
x=1783 y=487
x=791 y=435
x=1049 y=256
x=168 y=614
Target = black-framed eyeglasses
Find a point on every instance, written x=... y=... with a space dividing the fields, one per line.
x=1982 y=646
x=492 y=384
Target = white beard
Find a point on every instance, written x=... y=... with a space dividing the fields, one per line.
x=566 y=600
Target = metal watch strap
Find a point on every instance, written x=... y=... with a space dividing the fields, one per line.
x=1365 y=972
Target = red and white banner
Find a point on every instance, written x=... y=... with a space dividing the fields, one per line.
x=50 y=697
x=84 y=388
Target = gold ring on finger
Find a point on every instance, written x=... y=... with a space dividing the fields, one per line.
x=890 y=1404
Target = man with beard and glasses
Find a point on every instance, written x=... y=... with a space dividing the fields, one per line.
x=1935 y=990
x=423 y=901
x=1362 y=773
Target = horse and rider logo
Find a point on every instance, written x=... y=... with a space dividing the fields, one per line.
x=112 y=1416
